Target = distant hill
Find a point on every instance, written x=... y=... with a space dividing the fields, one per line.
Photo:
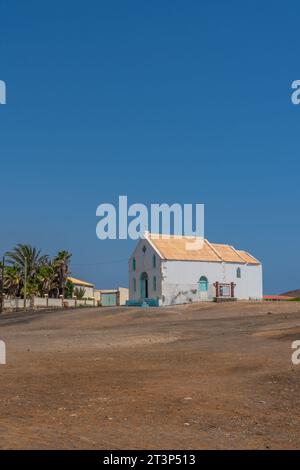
x=292 y=293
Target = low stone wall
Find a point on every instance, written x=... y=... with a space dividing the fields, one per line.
x=44 y=302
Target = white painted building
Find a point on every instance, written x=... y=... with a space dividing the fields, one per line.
x=167 y=271
x=88 y=287
x=112 y=297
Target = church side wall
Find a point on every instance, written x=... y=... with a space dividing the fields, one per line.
x=180 y=280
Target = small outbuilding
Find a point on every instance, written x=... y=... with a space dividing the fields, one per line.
x=88 y=287
x=112 y=297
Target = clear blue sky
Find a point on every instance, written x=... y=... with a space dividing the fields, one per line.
x=165 y=101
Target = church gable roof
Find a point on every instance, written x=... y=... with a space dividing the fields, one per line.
x=179 y=249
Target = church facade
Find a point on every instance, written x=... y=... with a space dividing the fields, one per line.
x=174 y=270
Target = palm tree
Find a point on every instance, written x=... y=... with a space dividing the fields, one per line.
x=46 y=278
x=69 y=289
x=79 y=292
x=61 y=265
x=12 y=280
x=43 y=276
x=32 y=289
x=28 y=260
x=29 y=256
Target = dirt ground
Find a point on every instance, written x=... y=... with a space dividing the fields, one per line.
x=215 y=376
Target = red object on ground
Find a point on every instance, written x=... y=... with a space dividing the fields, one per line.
x=277 y=297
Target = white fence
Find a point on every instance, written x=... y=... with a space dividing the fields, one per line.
x=46 y=302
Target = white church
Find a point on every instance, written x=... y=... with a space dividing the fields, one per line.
x=174 y=270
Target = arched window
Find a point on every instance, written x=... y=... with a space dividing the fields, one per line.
x=154 y=261
x=134 y=264
x=154 y=283
x=144 y=249
x=203 y=284
x=134 y=284
x=238 y=273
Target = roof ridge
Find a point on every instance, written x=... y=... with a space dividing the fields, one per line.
x=147 y=237
x=236 y=251
x=169 y=235
x=251 y=256
x=214 y=250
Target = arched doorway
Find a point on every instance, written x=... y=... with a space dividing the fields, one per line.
x=144 y=285
x=203 y=284
x=203 y=287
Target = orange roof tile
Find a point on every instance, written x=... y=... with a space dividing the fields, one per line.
x=247 y=257
x=228 y=253
x=177 y=248
x=78 y=282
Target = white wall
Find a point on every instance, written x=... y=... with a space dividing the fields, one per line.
x=180 y=280
x=97 y=295
x=88 y=291
x=12 y=304
x=41 y=302
x=124 y=295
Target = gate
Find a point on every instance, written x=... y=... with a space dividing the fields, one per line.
x=109 y=300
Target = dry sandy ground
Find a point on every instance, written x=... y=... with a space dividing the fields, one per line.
x=188 y=377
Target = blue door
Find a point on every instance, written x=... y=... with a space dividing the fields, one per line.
x=203 y=284
x=144 y=286
x=109 y=300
